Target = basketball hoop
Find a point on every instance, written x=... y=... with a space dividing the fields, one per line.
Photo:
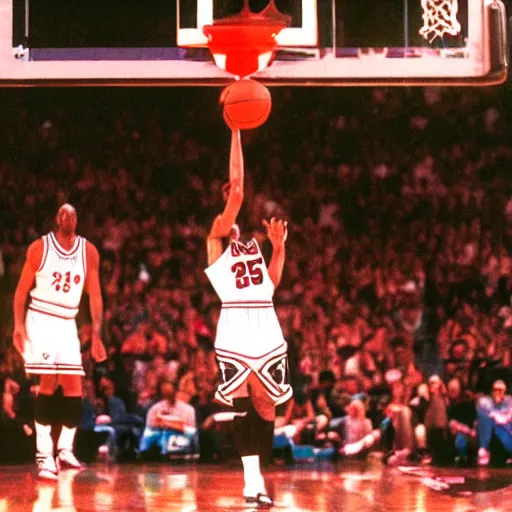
x=245 y=43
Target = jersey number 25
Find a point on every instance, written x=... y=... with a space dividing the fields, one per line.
x=247 y=273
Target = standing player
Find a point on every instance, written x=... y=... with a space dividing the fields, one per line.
x=61 y=263
x=250 y=347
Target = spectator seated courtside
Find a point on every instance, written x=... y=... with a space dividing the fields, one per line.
x=170 y=430
x=495 y=421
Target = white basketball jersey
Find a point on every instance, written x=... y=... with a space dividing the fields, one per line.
x=240 y=275
x=60 y=278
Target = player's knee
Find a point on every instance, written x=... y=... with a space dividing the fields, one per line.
x=71 y=385
x=265 y=409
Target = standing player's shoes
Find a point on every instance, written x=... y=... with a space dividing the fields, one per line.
x=67 y=459
x=261 y=500
x=46 y=468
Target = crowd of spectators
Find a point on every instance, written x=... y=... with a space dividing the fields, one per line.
x=398 y=265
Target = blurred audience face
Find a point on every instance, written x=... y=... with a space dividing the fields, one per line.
x=356 y=409
x=499 y=390
x=454 y=389
x=168 y=391
x=351 y=385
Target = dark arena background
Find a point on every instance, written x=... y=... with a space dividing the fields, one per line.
x=395 y=299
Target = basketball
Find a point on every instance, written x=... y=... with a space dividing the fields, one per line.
x=247 y=104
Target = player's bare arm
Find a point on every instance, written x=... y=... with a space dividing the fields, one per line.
x=277 y=232
x=214 y=243
x=225 y=221
x=26 y=282
x=93 y=288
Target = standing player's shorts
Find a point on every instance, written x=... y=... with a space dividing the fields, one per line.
x=250 y=341
x=52 y=345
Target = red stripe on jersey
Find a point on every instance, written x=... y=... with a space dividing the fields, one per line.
x=50 y=314
x=249 y=302
x=246 y=307
x=54 y=304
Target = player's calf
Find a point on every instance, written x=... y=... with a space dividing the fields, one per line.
x=45 y=416
x=69 y=418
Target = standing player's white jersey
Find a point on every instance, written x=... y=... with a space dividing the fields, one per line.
x=59 y=280
x=240 y=276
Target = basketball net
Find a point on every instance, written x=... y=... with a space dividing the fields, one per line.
x=439 y=17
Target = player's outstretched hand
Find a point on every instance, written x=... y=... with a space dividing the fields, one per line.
x=98 y=351
x=277 y=231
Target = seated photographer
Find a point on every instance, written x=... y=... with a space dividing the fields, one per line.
x=494 y=420
x=170 y=426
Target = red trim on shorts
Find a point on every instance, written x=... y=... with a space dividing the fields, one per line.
x=51 y=314
x=247 y=304
x=51 y=370
x=268 y=364
x=63 y=252
x=65 y=367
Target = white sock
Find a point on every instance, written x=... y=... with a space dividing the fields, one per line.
x=252 y=475
x=66 y=438
x=44 y=441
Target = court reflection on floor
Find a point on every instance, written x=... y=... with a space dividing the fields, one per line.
x=200 y=488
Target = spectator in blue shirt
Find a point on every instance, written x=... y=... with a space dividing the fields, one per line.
x=494 y=418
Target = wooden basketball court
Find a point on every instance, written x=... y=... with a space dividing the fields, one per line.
x=209 y=488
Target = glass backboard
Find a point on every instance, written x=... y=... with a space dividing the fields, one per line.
x=328 y=42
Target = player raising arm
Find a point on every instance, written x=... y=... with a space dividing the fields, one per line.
x=249 y=344
x=223 y=225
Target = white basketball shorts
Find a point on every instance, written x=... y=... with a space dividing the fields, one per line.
x=52 y=345
x=250 y=340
